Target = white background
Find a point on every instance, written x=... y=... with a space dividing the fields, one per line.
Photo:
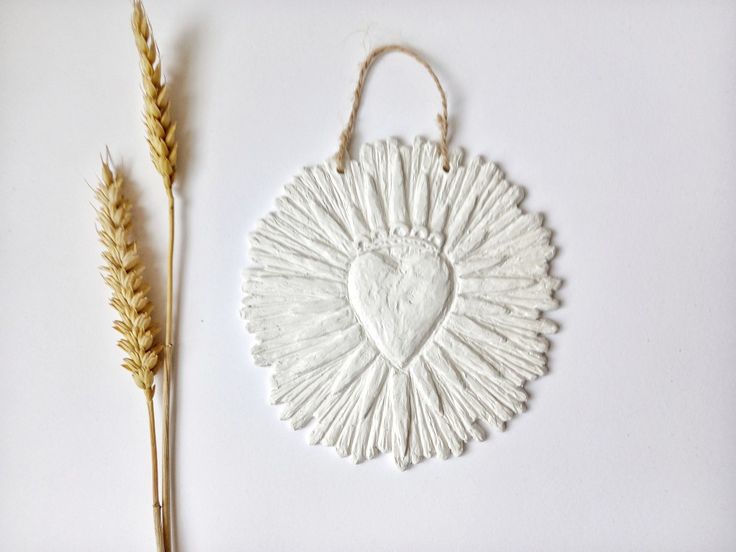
x=619 y=118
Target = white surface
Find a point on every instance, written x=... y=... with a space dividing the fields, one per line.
x=399 y=304
x=619 y=120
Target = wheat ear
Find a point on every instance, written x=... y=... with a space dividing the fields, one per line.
x=123 y=272
x=160 y=129
x=161 y=136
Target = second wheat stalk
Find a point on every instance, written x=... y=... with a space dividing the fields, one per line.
x=123 y=272
x=161 y=136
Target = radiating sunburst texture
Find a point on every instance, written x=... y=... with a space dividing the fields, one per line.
x=399 y=305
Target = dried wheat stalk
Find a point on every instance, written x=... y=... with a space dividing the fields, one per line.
x=161 y=136
x=123 y=272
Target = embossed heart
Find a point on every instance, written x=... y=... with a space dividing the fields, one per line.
x=400 y=294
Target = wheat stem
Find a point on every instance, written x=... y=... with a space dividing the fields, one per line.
x=168 y=353
x=154 y=478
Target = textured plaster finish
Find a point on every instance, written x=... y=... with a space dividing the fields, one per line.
x=400 y=305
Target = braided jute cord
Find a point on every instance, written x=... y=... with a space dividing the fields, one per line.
x=347 y=134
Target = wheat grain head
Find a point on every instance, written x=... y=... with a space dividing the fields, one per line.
x=160 y=129
x=123 y=272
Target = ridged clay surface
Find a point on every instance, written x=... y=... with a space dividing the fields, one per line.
x=399 y=305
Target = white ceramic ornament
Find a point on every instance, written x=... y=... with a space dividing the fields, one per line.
x=399 y=304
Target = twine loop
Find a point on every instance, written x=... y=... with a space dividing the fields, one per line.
x=347 y=133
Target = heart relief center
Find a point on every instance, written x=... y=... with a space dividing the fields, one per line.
x=400 y=294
